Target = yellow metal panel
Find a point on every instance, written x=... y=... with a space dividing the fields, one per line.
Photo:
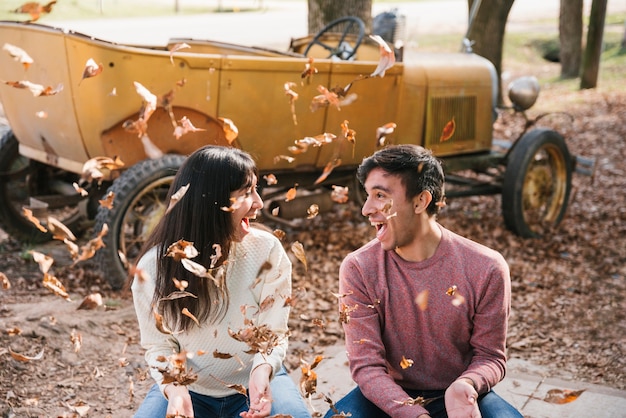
x=98 y=109
x=252 y=94
x=49 y=134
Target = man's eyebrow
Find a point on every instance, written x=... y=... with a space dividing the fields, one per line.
x=380 y=188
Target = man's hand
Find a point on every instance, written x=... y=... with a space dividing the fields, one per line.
x=462 y=400
x=259 y=393
x=179 y=401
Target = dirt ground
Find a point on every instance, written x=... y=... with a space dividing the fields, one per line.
x=568 y=300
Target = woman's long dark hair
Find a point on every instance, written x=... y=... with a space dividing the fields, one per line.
x=212 y=174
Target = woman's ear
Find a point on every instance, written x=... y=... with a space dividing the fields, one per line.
x=421 y=201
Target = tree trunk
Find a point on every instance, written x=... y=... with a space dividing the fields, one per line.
x=322 y=12
x=593 y=50
x=487 y=32
x=571 y=37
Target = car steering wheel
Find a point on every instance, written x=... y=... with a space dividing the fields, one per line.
x=343 y=50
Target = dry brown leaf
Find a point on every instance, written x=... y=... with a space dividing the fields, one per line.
x=422 y=300
x=405 y=363
x=55 y=285
x=44 y=261
x=298 y=249
x=176 y=197
x=177 y=47
x=4 y=281
x=92 y=301
x=562 y=396
x=230 y=130
x=107 y=202
x=28 y=214
x=387 y=57
x=18 y=54
x=291 y=193
x=188 y=314
x=92 y=69
x=59 y=230
x=181 y=249
x=24 y=358
x=340 y=194
x=76 y=339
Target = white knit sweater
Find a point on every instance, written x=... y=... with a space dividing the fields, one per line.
x=244 y=263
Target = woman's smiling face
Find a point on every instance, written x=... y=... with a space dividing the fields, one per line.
x=246 y=203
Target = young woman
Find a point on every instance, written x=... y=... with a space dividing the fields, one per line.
x=209 y=292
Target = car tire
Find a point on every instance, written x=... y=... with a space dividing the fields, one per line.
x=537 y=183
x=138 y=204
x=19 y=179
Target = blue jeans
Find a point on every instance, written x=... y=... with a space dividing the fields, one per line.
x=490 y=404
x=286 y=399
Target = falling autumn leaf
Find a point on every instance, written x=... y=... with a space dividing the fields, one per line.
x=422 y=300
x=448 y=130
x=340 y=194
x=83 y=192
x=382 y=132
x=293 y=96
x=230 y=130
x=188 y=314
x=44 y=261
x=185 y=127
x=101 y=168
x=291 y=193
x=152 y=151
x=330 y=166
x=52 y=283
x=177 y=47
x=313 y=211
x=28 y=214
x=270 y=179
x=36 y=89
x=387 y=57
x=59 y=230
x=181 y=249
x=18 y=54
x=309 y=70
x=284 y=157
x=176 y=197
x=92 y=69
x=298 y=249
x=35 y=9
x=107 y=202
x=405 y=363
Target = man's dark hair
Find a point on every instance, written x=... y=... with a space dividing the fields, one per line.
x=417 y=168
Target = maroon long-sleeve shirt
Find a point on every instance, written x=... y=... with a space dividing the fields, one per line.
x=455 y=328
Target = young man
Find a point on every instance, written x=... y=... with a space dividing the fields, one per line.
x=424 y=310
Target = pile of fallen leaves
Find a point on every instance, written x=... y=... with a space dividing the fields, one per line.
x=567 y=304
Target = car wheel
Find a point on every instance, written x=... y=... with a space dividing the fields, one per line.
x=139 y=203
x=537 y=183
x=21 y=181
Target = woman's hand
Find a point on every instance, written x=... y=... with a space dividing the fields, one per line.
x=259 y=393
x=179 y=402
x=462 y=400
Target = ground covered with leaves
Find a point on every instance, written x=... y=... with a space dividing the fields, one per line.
x=569 y=287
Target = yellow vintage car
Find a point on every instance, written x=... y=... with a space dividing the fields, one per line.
x=308 y=115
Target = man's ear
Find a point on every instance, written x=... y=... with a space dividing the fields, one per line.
x=421 y=201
